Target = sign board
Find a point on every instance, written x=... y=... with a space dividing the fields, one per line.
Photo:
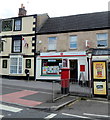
x=100 y=88
x=99 y=78
x=99 y=70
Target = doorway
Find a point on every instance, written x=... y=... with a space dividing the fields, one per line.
x=73 y=71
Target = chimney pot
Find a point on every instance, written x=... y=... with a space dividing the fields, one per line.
x=22 y=11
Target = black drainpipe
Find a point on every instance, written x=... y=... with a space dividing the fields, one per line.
x=35 y=47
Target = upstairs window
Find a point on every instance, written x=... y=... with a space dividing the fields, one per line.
x=73 y=42
x=52 y=43
x=17 y=25
x=102 y=39
x=7 y=25
x=17 y=44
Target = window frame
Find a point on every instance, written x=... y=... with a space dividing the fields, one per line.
x=76 y=41
x=19 y=19
x=51 y=44
x=4 y=25
x=13 y=47
x=101 y=40
x=17 y=65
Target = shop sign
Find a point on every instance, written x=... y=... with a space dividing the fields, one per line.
x=99 y=70
x=100 y=87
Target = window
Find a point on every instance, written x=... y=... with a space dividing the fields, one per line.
x=73 y=42
x=7 y=25
x=1 y=46
x=52 y=43
x=16 y=65
x=4 y=65
x=17 y=44
x=28 y=63
x=51 y=66
x=102 y=39
x=17 y=25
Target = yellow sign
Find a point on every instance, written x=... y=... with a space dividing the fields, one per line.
x=99 y=70
x=100 y=88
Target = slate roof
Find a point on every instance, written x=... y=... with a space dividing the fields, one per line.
x=90 y=21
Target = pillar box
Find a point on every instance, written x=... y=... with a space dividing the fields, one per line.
x=65 y=76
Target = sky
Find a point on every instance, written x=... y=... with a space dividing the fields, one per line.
x=54 y=8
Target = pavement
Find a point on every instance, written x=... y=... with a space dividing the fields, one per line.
x=34 y=94
x=37 y=94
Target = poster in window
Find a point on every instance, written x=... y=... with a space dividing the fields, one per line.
x=99 y=70
x=100 y=88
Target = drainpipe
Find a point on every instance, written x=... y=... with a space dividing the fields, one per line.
x=35 y=47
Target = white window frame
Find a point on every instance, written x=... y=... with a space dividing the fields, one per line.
x=18 y=64
x=73 y=41
x=17 y=45
x=102 y=40
x=52 y=46
x=17 y=25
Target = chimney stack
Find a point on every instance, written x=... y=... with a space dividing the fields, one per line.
x=22 y=11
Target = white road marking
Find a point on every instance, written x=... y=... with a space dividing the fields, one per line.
x=88 y=114
x=75 y=115
x=1 y=116
x=9 y=108
x=50 y=116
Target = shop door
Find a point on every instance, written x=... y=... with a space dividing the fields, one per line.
x=73 y=71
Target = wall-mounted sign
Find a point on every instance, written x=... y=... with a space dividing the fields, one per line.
x=100 y=88
x=99 y=70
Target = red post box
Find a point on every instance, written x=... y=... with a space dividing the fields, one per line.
x=65 y=76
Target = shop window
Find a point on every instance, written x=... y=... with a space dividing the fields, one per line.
x=28 y=63
x=17 y=24
x=16 y=65
x=4 y=65
x=7 y=25
x=51 y=66
x=52 y=43
x=73 y=42
x=102 y=39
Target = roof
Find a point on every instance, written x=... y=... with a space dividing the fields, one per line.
x=90 y=21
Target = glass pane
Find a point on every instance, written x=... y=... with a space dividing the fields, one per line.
x=17 y=45
x=13 y=69
x=73 y=45
x=103 y=36
x=73 y=38
x=13 y=61
x=20 y=69
x=17 y=24
x=102 y=43
x=52 y=43
x=17 y=42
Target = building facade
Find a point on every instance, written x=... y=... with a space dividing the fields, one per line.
x=63 y=42
x=18 y=39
